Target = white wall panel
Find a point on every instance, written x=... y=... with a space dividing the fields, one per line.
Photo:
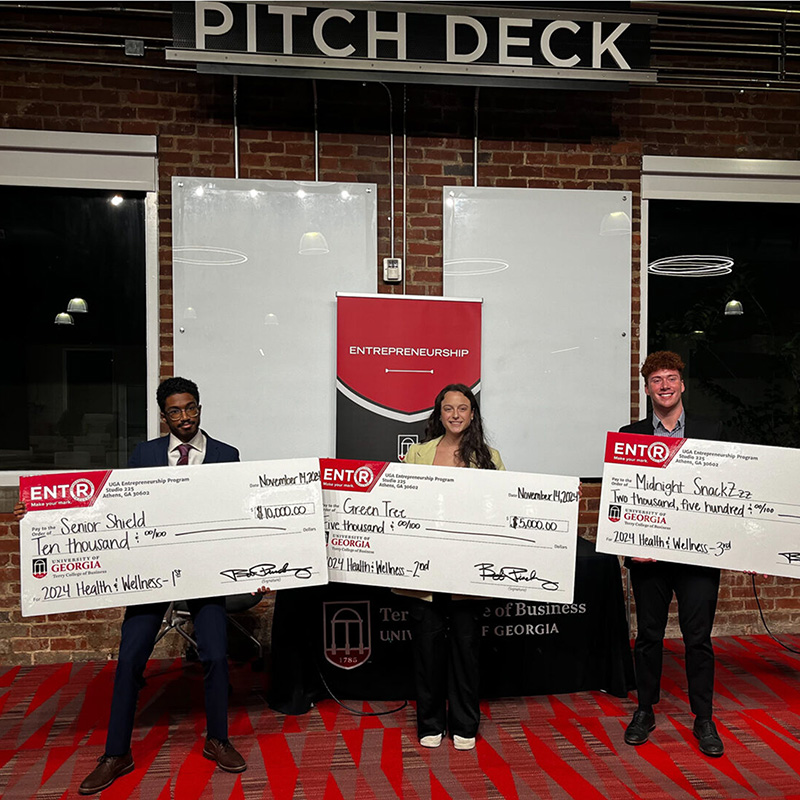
x=556 y=317
x=254 y=319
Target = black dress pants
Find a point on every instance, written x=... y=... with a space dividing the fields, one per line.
x=446 y=644
x=695 y=589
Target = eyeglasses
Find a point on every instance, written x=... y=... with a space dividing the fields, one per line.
x=175 y=414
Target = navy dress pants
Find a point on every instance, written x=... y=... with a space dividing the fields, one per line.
x=695 y=589
x=445 y=636
x=139 y=631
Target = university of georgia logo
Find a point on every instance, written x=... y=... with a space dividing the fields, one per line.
x=39 y=567
x=404 y=441
x=614 y=513
x=348 y=642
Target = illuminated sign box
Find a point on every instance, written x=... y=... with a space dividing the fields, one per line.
x=413 y=42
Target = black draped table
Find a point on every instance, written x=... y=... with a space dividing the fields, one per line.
x=356 y=640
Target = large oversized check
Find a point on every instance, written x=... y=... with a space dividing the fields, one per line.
x=717 y=504
x=130 y=536
x=465 y=531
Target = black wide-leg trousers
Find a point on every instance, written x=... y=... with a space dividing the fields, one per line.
x=446 y=644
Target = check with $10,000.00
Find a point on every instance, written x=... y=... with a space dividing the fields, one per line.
x=122 y=537
x=692 y=501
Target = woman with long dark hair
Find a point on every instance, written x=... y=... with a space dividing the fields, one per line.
x=445 y=628
x=454 y=435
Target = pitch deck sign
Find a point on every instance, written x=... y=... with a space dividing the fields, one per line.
x=393 y=356
x=444 y=529
x=125 y=537
x=716 y=504
x=419 y=42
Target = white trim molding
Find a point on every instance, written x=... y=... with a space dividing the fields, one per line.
x=743 y=180
x=116 y=162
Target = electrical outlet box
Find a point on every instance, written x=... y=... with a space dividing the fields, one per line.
x=392 y=270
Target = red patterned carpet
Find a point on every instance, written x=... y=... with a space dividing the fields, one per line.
x=53 y=721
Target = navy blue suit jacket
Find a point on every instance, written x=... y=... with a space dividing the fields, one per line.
x=154 y=453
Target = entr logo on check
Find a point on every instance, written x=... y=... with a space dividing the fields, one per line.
x=363 y=476
x=642 y=450
x=658 y=452
x=80 y=490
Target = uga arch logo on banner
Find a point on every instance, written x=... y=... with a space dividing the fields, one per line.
x=393 y=356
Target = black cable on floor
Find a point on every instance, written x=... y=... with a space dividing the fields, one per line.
x=764 y=622
x=354 y=711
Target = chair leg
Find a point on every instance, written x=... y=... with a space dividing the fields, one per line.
x=247 y=633
x=167 y=624
x=175 y=620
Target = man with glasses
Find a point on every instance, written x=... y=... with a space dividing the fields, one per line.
x=179 y=401
x=654 y=582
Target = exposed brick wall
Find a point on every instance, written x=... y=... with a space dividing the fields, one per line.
x=528 y=138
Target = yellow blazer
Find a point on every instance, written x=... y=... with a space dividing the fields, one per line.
x=424 y=454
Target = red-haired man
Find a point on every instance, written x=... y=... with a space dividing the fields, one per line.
x=655 y=582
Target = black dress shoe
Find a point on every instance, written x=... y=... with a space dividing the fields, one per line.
x=108 y=769
x=638 y=732
x=708 y=739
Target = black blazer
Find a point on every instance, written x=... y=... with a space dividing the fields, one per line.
x=154 y=453
x=694 y=428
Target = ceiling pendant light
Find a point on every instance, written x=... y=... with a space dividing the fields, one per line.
x=313 y=243
x=78 y=306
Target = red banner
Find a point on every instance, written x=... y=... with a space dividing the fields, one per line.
x=394 y=354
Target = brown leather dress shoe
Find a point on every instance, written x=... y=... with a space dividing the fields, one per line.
x=225 y=754
x=108 y=769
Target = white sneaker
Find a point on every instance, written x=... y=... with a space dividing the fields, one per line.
x=434 y=740
x=463 y=742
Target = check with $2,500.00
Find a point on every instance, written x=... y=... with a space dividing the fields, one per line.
x=692 y=501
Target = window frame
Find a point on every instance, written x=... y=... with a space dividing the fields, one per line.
x=731 y=180
x=110 y=162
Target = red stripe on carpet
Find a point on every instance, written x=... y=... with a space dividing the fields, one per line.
x=568 y=778
x=50 y=686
